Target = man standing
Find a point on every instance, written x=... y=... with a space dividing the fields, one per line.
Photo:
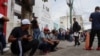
x=21 y=41
x=95 y=19
x=3 y=19
x=76 y=31
x=35 y=27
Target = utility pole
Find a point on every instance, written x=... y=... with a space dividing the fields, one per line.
x=27 y=8
x=70 y=4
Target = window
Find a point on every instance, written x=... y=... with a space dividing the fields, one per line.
x=47 y=9
x=43 y=6
x=18 y=2
x=45 y=0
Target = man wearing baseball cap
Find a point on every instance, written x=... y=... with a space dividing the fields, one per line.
x=46 y=44
x=21 y=41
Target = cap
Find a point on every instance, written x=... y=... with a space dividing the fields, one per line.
x=25 y=21
x=46 y=29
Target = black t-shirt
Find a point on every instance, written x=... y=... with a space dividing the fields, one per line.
x=34 y=24
x=95 y=20
x=17 y=32
x=75 y=26
x=1 y=25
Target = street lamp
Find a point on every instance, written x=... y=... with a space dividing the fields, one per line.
x=70 y=4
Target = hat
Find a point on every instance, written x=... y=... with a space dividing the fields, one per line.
x=25 y=21
x=46 y=29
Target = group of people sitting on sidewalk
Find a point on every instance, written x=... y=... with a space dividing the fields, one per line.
x=21 y=41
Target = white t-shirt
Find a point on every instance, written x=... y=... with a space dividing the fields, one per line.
x=76 y=33
x=1 y=15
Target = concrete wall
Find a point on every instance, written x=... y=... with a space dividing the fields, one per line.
x=10 y=16
x=14 y=21
x=40 y=10
x=64 y=22
x=44 y=16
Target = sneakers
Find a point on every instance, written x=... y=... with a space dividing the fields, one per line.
x=89 y=48
x=98 y=48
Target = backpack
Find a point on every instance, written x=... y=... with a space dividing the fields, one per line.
x=79 y=28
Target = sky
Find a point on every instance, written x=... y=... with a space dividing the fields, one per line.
x=81 y=7
x=59 y=8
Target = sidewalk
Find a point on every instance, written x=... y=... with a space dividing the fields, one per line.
x=68 y=49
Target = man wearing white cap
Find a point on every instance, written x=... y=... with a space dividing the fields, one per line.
x=21 y=40
x=3 y=19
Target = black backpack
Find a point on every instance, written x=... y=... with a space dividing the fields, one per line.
x=79 y=28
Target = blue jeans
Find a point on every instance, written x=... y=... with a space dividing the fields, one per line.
x=2 y=39
x=36 y=33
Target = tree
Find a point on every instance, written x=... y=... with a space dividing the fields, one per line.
x=27 y=9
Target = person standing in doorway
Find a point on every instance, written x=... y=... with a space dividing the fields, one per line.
x=95 y=30
x=35 y=27
x=3 y=19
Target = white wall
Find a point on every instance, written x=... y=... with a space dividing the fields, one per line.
x=44 y=17
x=14 y=21
x=10 y=16
x=65 y=22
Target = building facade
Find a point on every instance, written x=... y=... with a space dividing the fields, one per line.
x=79 y=19
x=65 y=21
x=41 y=9
x=14 y=20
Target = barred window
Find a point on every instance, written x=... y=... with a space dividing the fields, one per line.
x=45 y=0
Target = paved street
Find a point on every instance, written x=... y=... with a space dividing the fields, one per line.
x=70 y=50
x=67 y=49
